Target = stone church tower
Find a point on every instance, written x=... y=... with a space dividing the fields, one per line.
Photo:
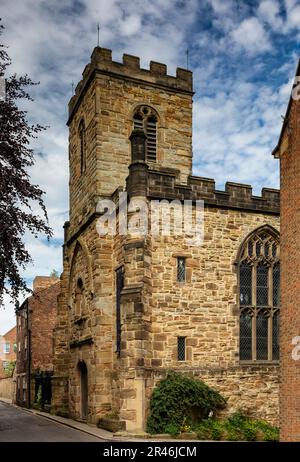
x=132 y=308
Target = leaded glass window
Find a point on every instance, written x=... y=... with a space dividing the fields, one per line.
x=181 y=269
x=246 y=336
x=181 y=348
x=245 y=284
x=275 y=337
x=259 y=296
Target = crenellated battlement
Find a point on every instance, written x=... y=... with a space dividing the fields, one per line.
x=163 y=185
x=156 y=75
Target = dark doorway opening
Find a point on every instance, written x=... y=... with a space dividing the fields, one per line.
x=83 y=390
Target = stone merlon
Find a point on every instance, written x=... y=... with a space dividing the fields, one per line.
x=162 y=185
x=101 y=62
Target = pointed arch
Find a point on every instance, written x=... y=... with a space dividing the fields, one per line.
x=268 y=229
x=258 y=295
x=146 y=118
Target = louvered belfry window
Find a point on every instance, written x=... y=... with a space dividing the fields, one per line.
x=145 y=119
x=259 y=287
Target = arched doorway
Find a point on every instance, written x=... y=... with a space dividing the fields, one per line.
x=83 y=377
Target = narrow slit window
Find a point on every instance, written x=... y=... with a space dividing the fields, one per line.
x=181 y=269
x=181 y=348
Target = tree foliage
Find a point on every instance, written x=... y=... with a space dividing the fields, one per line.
x=17 y=194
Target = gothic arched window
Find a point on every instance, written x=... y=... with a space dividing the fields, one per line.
x=259 y=288
x=145 y=118
x=82 y=146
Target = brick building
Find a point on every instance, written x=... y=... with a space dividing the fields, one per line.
x=35 y=323
x=7 y=349
x=288 y=151
x=131 y=307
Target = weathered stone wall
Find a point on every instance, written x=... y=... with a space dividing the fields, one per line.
x=253 y=389
x=85 y=335
x=204 y=309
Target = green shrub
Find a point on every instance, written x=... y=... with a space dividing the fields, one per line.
x=178 y=400
x=210 y=429
x=269 y=432
x=237 y=427
x=172 y=429
x=250 y=430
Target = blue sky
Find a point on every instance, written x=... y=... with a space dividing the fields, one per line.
x=243 y=55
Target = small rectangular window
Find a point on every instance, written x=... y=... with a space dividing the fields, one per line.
x=6 y=348
x=181 y=348
x=181 y=269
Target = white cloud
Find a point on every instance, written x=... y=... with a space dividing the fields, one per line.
x=251 y=36
x=131 y=25
x=221 y=6
x=269 y=11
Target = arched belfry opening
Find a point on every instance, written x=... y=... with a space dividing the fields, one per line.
x=83 y=384
x=145 y=118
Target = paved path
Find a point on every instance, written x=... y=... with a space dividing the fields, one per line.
x=19 y=425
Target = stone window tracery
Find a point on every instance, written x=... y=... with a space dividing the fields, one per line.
x=259 y=287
